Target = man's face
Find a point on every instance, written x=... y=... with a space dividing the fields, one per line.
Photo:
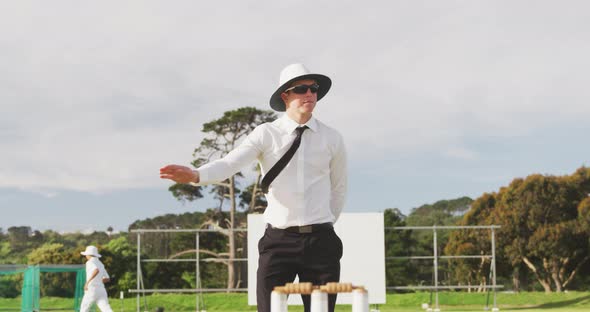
x=301 y=103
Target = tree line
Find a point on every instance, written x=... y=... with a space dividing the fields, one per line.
x=543 y=243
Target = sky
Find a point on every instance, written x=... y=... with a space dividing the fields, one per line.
x=435 y=99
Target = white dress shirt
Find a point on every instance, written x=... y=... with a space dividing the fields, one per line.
x=95 y=264
x=310 y=189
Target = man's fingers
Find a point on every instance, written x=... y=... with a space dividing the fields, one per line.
x=176 y=173
x=178 y=178
x=170 y=176
x=172 y=169
x=169 y=168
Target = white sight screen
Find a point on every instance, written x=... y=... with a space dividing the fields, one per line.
x=363 y=261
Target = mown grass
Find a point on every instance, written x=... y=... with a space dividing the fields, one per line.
x=449 y=301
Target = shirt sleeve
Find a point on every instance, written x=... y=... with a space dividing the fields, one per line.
x=338 y=179
x=246 y=153
x=105 y=274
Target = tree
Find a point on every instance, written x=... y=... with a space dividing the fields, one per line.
x=398 y=243
x=55 y=284
x=442 y=212
x=18 y=237
x=542 y=219
x=540 y=214
x=256 y=203
x=471 y=272
x=222 y=136
x=584 y=213
x=5 y=250
x=185 y=192
x=119 y=258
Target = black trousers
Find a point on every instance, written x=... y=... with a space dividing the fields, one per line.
x=314 y=257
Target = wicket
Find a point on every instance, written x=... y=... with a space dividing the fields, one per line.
x=319 y=296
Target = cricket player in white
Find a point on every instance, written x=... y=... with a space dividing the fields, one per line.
x=96 y=276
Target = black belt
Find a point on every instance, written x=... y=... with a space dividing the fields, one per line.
x=305 y=229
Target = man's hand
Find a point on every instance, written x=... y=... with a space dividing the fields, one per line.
x=179 y=174
x=105 y=280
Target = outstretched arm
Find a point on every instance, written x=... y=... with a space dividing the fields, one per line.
x=220 y=169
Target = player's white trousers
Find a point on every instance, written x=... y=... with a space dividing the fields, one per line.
x=98 y=296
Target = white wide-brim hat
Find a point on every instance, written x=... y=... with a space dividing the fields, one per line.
x=295 y=72
x=91 y=251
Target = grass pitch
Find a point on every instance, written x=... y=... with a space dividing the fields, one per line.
x=411 y=302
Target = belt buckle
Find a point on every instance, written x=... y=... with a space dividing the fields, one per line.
x=305 y=229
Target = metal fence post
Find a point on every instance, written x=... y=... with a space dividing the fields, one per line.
x=495 y=308
x=435 y=253
x=138 y=267
x=197 y=272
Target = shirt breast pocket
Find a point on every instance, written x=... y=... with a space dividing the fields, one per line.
x=319 y=159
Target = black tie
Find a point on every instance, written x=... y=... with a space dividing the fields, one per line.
x=282 y=163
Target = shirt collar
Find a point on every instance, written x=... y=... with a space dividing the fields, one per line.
x=290 y=125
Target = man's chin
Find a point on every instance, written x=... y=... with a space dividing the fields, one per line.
x=308 y=108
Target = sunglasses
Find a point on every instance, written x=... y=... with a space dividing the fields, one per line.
x=302 y=89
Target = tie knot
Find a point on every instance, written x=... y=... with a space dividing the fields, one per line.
x=301 y=129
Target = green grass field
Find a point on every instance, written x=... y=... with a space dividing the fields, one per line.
x=449 y=301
